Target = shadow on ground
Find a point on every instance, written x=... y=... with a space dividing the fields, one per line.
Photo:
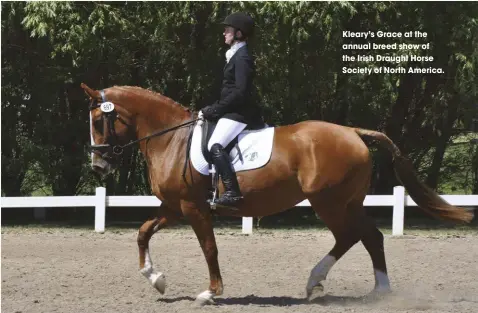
x=283 y=300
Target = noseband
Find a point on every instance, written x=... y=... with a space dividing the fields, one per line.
x=112 y=148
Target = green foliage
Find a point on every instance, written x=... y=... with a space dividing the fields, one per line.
x=177 y=48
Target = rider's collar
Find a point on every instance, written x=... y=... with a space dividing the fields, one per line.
x=236 y=46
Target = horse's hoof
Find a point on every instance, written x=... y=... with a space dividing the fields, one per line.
x=204 y=298
x=315 y=292
x=203 y=302
x=159 y=282
x=381 y=292
x=378 y=294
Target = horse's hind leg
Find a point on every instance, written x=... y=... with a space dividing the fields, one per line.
x=146 y=231
x=341 y=221
x=372 y=239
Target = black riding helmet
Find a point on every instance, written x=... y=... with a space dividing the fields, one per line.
x=240 y=21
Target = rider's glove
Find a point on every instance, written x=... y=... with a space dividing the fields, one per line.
x=210 y=113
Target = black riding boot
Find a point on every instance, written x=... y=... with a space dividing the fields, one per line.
x=232 y=195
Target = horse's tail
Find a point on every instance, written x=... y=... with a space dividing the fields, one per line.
x=427 y=199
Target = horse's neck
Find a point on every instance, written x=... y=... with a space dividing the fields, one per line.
x=151 y=120
x=165 y=158
x=154 y=114
x=163 y=153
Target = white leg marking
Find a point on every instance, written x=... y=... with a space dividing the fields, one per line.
x=158 y=280
x=320 y=271
x=381 y=281
x=147 y=262
x=205 y=297
x=155 y=228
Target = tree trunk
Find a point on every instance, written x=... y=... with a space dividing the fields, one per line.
x=446 y=131
x=132 y=181
x=124 y=174
x=385 y=179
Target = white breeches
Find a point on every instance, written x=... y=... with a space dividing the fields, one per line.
x=226 y=130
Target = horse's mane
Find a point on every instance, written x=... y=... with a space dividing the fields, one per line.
x=152 y=95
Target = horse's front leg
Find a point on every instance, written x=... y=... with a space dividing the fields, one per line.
x=200 y=219
x=146 y=231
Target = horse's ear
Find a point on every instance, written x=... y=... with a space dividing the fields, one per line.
x=90 y=92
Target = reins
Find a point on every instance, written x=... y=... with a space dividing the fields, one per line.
x=159 y=133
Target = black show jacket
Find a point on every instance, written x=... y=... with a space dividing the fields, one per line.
x=236 y=98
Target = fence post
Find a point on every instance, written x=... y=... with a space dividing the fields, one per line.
x=247 y=225
x=398 y=210
x=100 y=209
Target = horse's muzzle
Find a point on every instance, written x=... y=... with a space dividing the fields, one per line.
x=105 y=158
x=101 y=165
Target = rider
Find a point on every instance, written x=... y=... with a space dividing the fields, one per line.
x=234 y=110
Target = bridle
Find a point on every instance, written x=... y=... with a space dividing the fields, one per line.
x=112 y=149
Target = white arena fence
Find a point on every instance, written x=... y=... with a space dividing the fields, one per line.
x=100 y=201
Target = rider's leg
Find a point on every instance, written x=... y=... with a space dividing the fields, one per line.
x=226 y=130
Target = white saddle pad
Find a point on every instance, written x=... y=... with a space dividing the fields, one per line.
x=254 y=145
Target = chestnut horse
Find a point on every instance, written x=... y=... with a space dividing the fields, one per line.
x=328 y=164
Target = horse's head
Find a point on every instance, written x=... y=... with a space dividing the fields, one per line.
x=111 y=127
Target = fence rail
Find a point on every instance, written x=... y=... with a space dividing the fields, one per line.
x=101 y=201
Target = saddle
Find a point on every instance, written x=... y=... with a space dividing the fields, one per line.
x=208 y=128
x=250 y=150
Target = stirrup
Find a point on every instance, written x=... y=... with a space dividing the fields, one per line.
x=229 y=202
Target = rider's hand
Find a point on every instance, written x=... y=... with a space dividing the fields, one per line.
x=210 y=113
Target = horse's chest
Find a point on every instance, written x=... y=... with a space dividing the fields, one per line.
x=173 y=186
x=160 y=185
